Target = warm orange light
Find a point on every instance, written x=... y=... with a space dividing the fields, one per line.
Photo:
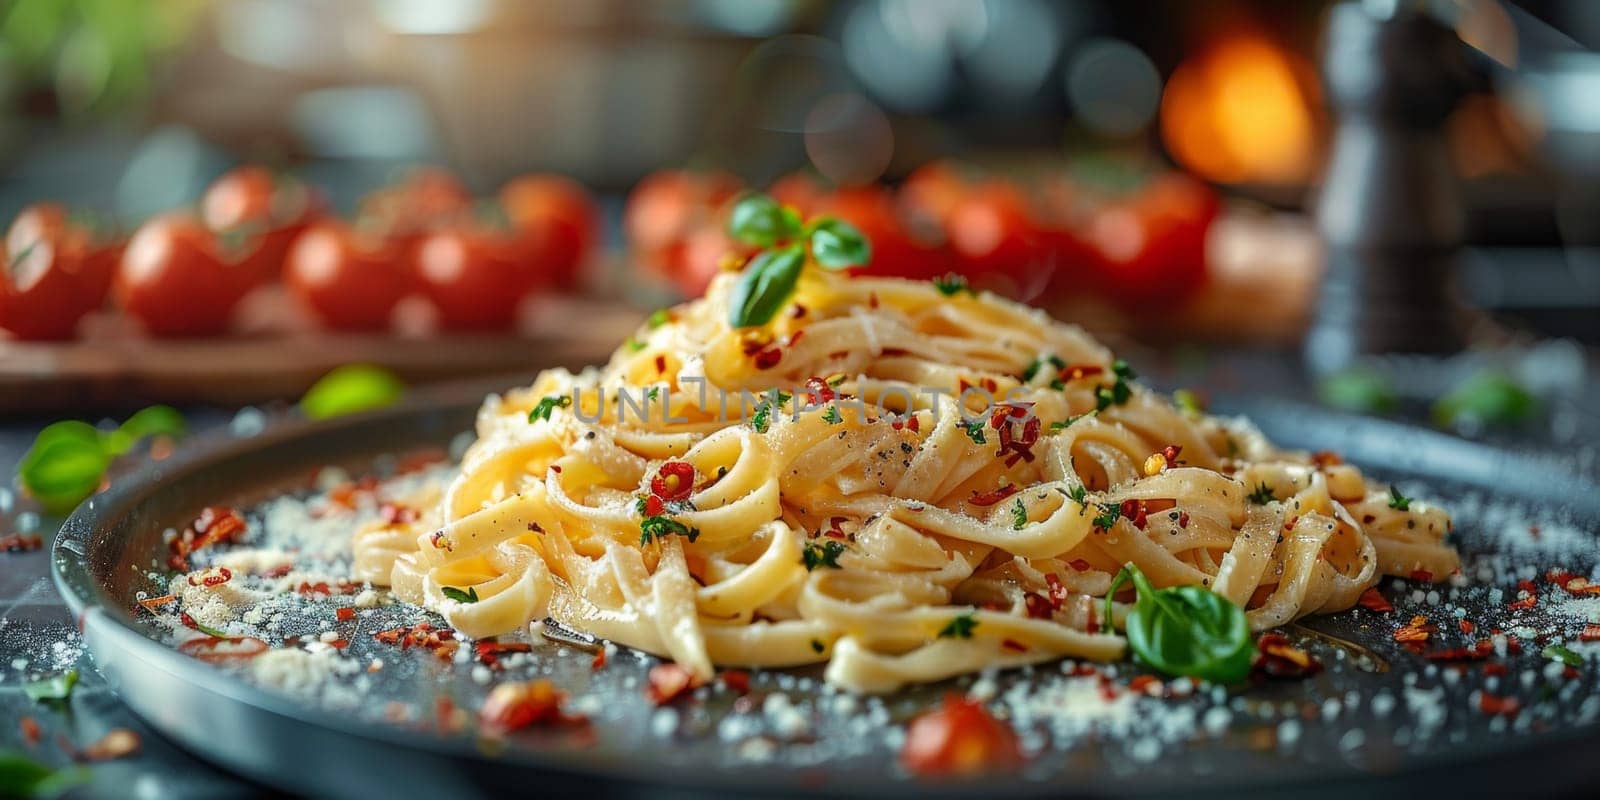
x=1242 y=111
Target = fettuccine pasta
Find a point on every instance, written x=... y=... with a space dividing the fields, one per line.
x=948 y=483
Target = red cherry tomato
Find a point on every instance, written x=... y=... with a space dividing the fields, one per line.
x=997 y=240
x=896 y=251
x=476 y=277
x=250 y=201
x=424 y=199
x=558 y=220
x=665 y=210
x=934 y=190
x=693 y=262
x=55 y=272
x=959 y=738
x=350 y=281
x=1151 y=247
x=801 y=190
x=178 y=279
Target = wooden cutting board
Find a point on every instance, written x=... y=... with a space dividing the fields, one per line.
x=275 y=355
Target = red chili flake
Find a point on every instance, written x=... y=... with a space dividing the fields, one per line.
x=1326 y=458
x=152 y=603
x=872 y=300
x=794 y=338
x=736 y=680
x=1422 y=575
x=19 y=543
x=599 y=661
x=894 y=352
x=441 y=641
x=661 y=365
x=1080 y=564
x=1073 y=372
x=397 y=514
x=909 y=422
x=339 y=644
x=1529 y=597
x=221 y=576
x=556 y=468
x=1467 y=626
x=1092 y=625
x=220 y=649
x=1513 y=646
x=993 y=496
x=1057 y=593
x=215 y=524
x=1591 y=633
x=1414 y=632
x=1368 y=519
x=1496 y=668
x=838 y=355
x=279 y=571
x=672 y=482
x=1494 y=705
x=1013 y=645
x=1533 y=530
x=117 y=743
x=654 y=506
x=819 y=390
x=519 y=704
x=798 y=311
x=1573 y=584
x=1483 y=649
x=834 y=531
x=1277 y=658
x=1570 y=672
x=1170 y=454
x=346 y=494
x=768 y=358
x=1373 y=600
x=1037 y=606
x=1142 y=683
x=489 y=651
x=323 y=587
x=440 y=541
x=1134 y=510
x=30 y=730
x=1183 y=519
x=668 y=682
x=421 y=460
x=959 y=738
x=345 y=614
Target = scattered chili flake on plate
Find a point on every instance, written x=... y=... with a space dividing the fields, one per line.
x=1373 y=600
x=668 y=682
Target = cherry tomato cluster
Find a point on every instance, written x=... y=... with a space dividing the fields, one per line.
x=183 y=273
x=1049 y=237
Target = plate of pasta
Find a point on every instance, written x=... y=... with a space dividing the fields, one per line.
x=818 y=531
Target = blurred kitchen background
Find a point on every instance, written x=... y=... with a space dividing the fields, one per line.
x=1158 y=163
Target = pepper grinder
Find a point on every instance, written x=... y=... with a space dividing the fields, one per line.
x=1390 y=211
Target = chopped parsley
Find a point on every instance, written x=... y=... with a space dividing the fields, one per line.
x=53 y=688
x=761 y=420
x=1066 y=423
x=1056 y=365
x=1119 y=392
x=1108 y=516
x=823 y=554
x=831 y=416
x=547 y=406
x=1562 y=653
x=1019 y=515
x=1079 y=495
x=468 y=596
x=1397 y=500
x=634 y=345
x=974 y=429
x=652 y=393
x=1188 y=402
x=659 y=317
x=952 y=284
x=959 y=628
x=1262 y=494
x=658 y=527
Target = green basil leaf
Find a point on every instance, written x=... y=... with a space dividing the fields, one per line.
x=61 y=471
x=1360 y=390
x=468 y=596
x=152 y=421
x=760 y=220
x=1186 y=630
x=21 y=776
x=55 y=687
x=837 y=244
x=766 y=285
x=350 y=389
x=1486 y=398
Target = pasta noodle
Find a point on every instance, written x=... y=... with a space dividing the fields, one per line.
x=950 y=485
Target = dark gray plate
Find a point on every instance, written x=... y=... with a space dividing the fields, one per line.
x=1328 y=735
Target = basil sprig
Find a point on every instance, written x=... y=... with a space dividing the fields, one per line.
x=68 y=459
x=1185 y=630
x=351 y=389
x=772 y=275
